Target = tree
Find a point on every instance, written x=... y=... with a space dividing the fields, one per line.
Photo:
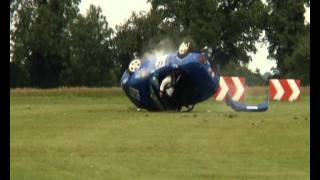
x=140 y=33
x=298 y=63
x=129 y=39
x=231 y=27
x=285 y=30
x=18 y=75
x=90 y=61
x=39 y=36
x=54 y=45
x=20 y=19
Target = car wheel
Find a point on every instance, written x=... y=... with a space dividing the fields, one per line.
x=184 y=49
x=134 y=65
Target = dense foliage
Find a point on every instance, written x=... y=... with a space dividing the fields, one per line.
x=54 y=45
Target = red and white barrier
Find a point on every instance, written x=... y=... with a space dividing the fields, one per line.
x=284 y=89
x=234 y=85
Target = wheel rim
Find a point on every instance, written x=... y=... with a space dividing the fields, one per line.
x=134 y=65
x=184 y=47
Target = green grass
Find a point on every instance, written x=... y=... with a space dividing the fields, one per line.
x=98 y=134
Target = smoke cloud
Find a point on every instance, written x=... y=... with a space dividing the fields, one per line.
x=162 y=48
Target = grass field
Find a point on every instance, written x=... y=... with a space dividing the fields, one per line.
x=82 y=133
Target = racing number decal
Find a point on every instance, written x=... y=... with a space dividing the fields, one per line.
x=161 y=62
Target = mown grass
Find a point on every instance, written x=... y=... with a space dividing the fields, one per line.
x=84 y=133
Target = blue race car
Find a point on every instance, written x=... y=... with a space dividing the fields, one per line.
x=173 y=81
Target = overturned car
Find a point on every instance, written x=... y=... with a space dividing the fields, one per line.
x=175 y=81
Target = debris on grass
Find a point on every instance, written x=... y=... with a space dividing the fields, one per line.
x=231 y=115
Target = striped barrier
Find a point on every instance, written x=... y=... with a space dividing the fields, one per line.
x=284 y=89
x=235 y=86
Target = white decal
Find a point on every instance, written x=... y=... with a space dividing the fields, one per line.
x=161 y=61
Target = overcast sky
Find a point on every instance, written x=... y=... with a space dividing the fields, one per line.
x=117 y=11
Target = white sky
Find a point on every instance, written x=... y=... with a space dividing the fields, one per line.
x=118 y=11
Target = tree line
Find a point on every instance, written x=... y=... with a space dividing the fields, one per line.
x=54 y=45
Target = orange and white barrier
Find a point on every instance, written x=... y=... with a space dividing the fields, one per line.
x=235 y=86
x=284 y=89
